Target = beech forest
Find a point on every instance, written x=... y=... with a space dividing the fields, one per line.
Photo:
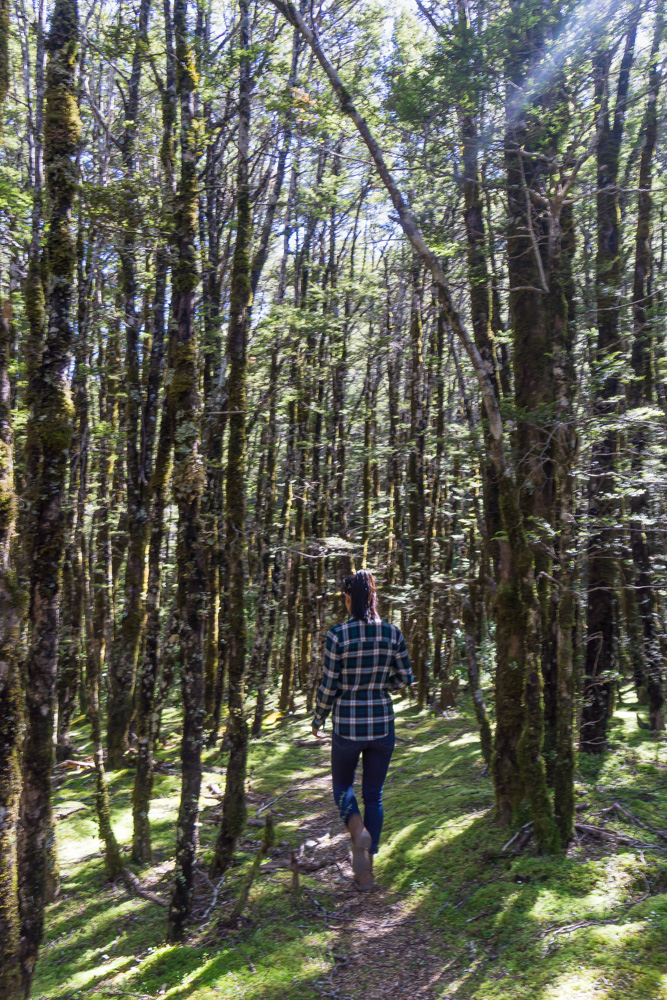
x=290 y=290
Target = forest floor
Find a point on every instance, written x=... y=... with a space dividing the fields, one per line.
x=452 y=916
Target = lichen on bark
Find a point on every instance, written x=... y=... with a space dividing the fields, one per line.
x=49 y=433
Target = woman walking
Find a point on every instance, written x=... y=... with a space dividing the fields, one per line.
x=365 y=658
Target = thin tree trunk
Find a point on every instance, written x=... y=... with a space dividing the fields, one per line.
x=234 y=804
x=123 y=665
x=70 y=648
x=10 y=616
x=602 y=508
x=641 y=393
x=158 y=479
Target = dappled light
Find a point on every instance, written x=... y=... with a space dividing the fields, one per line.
x=333 y=500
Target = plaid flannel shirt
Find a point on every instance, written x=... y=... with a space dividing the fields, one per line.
x=362 y=663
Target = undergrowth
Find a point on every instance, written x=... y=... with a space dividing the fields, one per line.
x=589 y=924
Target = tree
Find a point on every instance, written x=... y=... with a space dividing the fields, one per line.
x=234 y=806
x=49 y=435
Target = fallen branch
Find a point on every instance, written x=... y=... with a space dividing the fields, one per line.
x=73 y=765
x=526 y=826
x=622 y=811
x=209 y=909
x=135 y=885
x=601 y=833
x=251 y=964
x=66 y=813
x=267 y=805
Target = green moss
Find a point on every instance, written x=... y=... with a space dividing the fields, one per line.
x=494 y=916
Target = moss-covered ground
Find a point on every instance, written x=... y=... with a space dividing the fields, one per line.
x=452 y=915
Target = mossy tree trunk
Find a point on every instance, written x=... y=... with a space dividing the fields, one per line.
x=396 y=561
x=297 y=577
x=158 y=478
x=212 y=203
x=234 y=804
x=148 y=709
x=531 y=334
x=370 y=399
x=259 y=663
x=49 y=433
x=603 y=543
x=71 y=649
x=266 y=610
x=99 y=620
x=641 y=393
x=10 y=616
x=485 y=733
x=188 y=477
x=479 y=284
x=479 y=279
x=566 y=443
x=417 y=498
x=123 y=665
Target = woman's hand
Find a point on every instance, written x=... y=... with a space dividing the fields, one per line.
x=318 y=734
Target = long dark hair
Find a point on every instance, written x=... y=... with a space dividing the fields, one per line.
x=364 y=599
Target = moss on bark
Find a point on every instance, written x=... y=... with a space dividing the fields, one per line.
x=234 y=805
x=49 y=435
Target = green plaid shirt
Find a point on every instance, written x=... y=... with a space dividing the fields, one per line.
x=362 y=664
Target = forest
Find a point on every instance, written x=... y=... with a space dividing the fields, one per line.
x=290 y=290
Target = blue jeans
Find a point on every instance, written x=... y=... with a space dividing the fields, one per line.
x=376 y=755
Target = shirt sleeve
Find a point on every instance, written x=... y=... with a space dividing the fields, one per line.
x=401 y=673
x=329 y=685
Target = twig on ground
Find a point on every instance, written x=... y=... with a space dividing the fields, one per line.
x=601 y=833
x=271 y=802
x=526 y=826
x=135 y=885
x=251 y=965
x=621 y=810
x=66 y=813
x=211 y=906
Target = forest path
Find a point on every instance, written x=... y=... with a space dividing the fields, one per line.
x=450 y=918
x=380 y=946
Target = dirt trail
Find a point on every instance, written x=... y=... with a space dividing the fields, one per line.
x=381 y=948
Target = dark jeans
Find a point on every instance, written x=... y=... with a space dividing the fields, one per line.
x=376 y=755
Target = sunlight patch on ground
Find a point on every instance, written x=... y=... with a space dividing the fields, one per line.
x=577 y=984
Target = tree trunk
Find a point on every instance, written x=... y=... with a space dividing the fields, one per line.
x=602 y=507
x=10 y=615
x=123 y=666
x=158 y=479
x=74 y=583
x=641 y=393
x=49 y=434
x=188 y=479
x=234 y=805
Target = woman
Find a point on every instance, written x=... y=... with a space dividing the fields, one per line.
x=365 y=658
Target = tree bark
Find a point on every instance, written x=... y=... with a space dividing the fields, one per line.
x=234 y=805
x=640 y=393
x=158 y=479
x=188 y=478
x=602 y=508
x=10 y=616
x=123 y=666
x=49 y=433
